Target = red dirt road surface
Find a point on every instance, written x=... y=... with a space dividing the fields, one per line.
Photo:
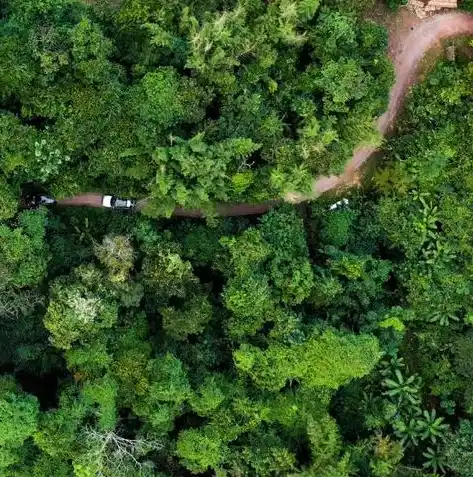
x=90 y=199
x=406 y=57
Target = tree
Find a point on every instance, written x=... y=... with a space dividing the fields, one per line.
x=19 y=413
x=193 y=173
x=458 y=450
x=166 y=273
x=199 y=450
x=76 y=313
x=116 y=254
x=191 y=319
x=108 y=453
x=8 y=201
x=324 y=439
x=250 y=301
x=161 y=401
x=208 y=397
x=24 y=252
x=18 y=420
x=341 y=358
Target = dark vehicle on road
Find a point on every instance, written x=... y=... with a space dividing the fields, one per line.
x=34 y=201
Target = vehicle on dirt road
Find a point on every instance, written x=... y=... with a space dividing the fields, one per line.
x=113 y=202
x=34 y=201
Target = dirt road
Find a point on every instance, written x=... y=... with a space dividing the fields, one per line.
x=91 y=199
x=406 y=57
x=406 y=53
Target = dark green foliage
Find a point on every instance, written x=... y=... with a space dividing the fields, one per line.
x=394 y=4
x=24 y=255
x=216 y=349
x=191 y=319
x=18 y=421
x=311 y=341
x=336 y=229
x=175 y=102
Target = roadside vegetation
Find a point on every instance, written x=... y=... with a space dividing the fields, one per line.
x=183 y=102
x=307 y=342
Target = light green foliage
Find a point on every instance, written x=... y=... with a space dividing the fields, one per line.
x=186 y=170
x=207 y=398
x=8 y=201
x=101 y=395
x=294 y=279
x=458 y=450
x=246 y=251
x=165 y=98
x=336 y=230
x=166 y=273
x=90 y=52
x=336 y=34
x=116 y=254
x=284 y=231
x=386 y=456
x=199 y=450
x=58 y=429
x=324 y=440
x=268 y=457
x=18 y=421
x=170 y=382
x=76 y=313
x=89 y=359
x=289 y=267
x=250 y=301
x=162 y=397
x=342 y=81
x=343 y=358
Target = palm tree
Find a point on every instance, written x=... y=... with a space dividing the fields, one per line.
x=408 y=432
x=402 y=390
x=431 y=426
x=435 y=460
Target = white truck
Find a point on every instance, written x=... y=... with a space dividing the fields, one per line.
x=113 y=202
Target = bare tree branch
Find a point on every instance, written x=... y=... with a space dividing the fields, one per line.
x=14 y=304
x=112 y=451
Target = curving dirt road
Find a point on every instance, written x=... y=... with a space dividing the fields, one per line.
x=406 y=58
x=406 y=55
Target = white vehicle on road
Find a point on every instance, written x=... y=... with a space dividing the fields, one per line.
x=339 y=204
x=114 y=202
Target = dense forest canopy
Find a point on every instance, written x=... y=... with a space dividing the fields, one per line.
x=307 y=342
x=186 y=102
